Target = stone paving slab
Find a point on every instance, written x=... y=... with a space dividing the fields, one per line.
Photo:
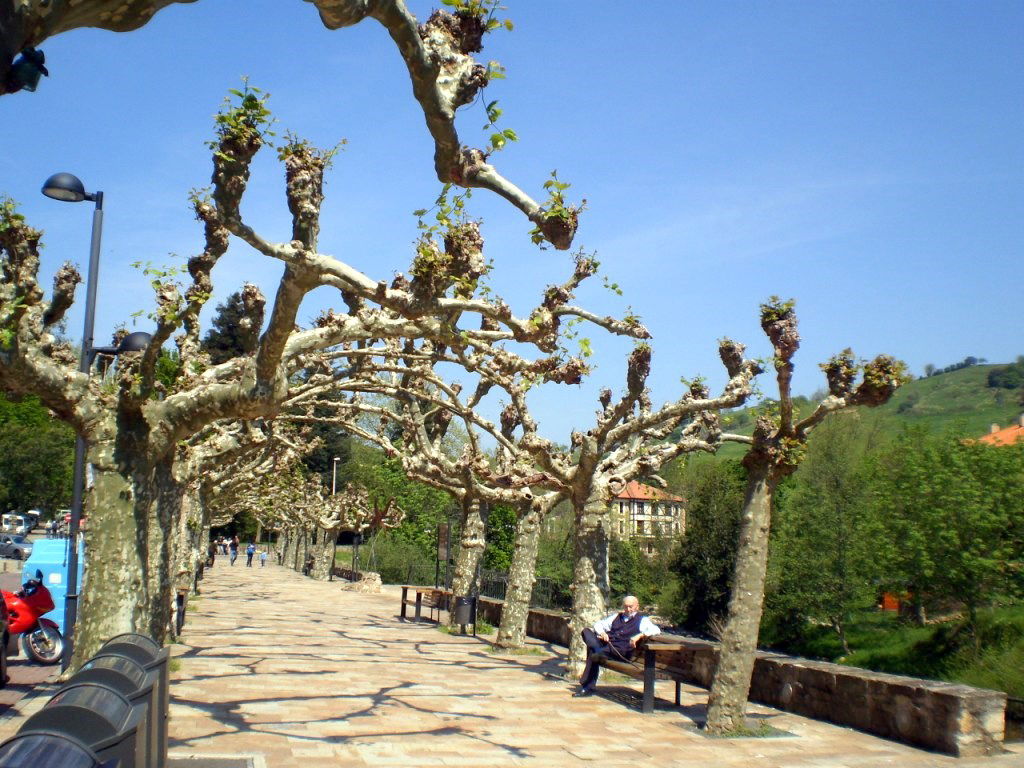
x=302 y=673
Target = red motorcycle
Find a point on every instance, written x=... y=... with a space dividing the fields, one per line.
x=40 y=639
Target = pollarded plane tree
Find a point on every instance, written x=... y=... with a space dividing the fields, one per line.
x=630 y=439
x=135 y=430
x=775 y=451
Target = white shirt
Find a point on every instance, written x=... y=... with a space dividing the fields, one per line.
x=647 y=627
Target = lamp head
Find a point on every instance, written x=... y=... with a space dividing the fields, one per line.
x=134 y=342
x=66 y=187
x=24 y=74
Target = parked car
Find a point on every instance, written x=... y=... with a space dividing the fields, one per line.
x=16 y=546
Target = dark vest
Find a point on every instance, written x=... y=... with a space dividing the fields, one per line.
x=623 y=629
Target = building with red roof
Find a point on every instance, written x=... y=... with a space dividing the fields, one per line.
x=1005 y=435
x=643 y=512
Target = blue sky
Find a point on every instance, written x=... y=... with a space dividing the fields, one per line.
x=864 y=158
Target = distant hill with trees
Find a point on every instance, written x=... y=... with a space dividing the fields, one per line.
x=968 y=396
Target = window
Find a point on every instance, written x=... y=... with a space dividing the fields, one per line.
x=639 y=507
x=622 y=527
x=622 y=507
x=639 y=526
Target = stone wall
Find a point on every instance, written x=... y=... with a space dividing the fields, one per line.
x=955 y=719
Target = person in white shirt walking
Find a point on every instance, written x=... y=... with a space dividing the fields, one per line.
x=614 y=637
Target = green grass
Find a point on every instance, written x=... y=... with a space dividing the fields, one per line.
x=528 y=650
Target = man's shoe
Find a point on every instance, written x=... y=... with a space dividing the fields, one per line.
x=584 y=692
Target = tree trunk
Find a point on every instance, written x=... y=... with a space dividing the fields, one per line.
x=166 y=547
x=727 y=702
x=471 y=547
x=590 y=585
x=324 y=561
x=522 y=574
x=287 y=539
x=115 y=590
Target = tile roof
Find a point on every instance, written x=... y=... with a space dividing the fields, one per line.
x=1005 y=436
x=635 y=490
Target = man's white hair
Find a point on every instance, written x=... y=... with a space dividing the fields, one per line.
x=632 y=599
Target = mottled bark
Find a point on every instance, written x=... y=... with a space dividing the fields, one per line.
x=471 y=548
x=115 y=590
x=522 y=574
x=727 y=703
x=286 y=541
x=590 y=585
x=324 y=556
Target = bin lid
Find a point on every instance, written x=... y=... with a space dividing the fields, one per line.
x=136 y=639
x=30 y=750
x=88 y=711
x=124 y=675
x=137 y=647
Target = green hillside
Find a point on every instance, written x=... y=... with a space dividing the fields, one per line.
x=959 y=399
x=955 y=398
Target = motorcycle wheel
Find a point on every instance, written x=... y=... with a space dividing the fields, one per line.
x=43 y=644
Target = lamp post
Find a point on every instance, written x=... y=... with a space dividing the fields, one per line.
x=68 y=188
x=334 y=488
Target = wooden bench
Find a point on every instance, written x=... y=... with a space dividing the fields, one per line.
x=646 y=666
x=431 y=598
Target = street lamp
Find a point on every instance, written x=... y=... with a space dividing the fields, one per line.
x=69 y=188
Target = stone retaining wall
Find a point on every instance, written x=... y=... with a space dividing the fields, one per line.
x=955 y=719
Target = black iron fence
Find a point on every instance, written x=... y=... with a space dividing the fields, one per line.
x=547 y=593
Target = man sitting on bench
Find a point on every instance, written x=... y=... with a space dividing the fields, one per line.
x=614 y=637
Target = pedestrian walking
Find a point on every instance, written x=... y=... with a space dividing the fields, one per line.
x=233 y=546
x=249 y=552
x=263 y=558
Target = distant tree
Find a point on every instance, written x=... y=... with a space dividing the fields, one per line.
x=234 y=329
x=706 y=557
x=36 y=453
x=500 y=537
x=929 y=370
x=1007 y=376
x=948 y=519
x=821 y=555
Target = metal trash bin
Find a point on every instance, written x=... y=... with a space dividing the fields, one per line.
x=153 y=658
x=465 y=611
x=46 y=750
x=136 y=684
x=97 y=716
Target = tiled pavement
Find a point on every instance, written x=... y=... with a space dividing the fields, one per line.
x=306 y=674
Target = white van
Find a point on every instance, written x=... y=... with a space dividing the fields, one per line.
x=13 y=523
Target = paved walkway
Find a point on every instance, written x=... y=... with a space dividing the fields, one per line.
x=307 y=674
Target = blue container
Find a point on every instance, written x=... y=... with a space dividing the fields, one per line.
x=51 y=557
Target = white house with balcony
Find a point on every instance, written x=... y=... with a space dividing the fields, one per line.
x=647 y=513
